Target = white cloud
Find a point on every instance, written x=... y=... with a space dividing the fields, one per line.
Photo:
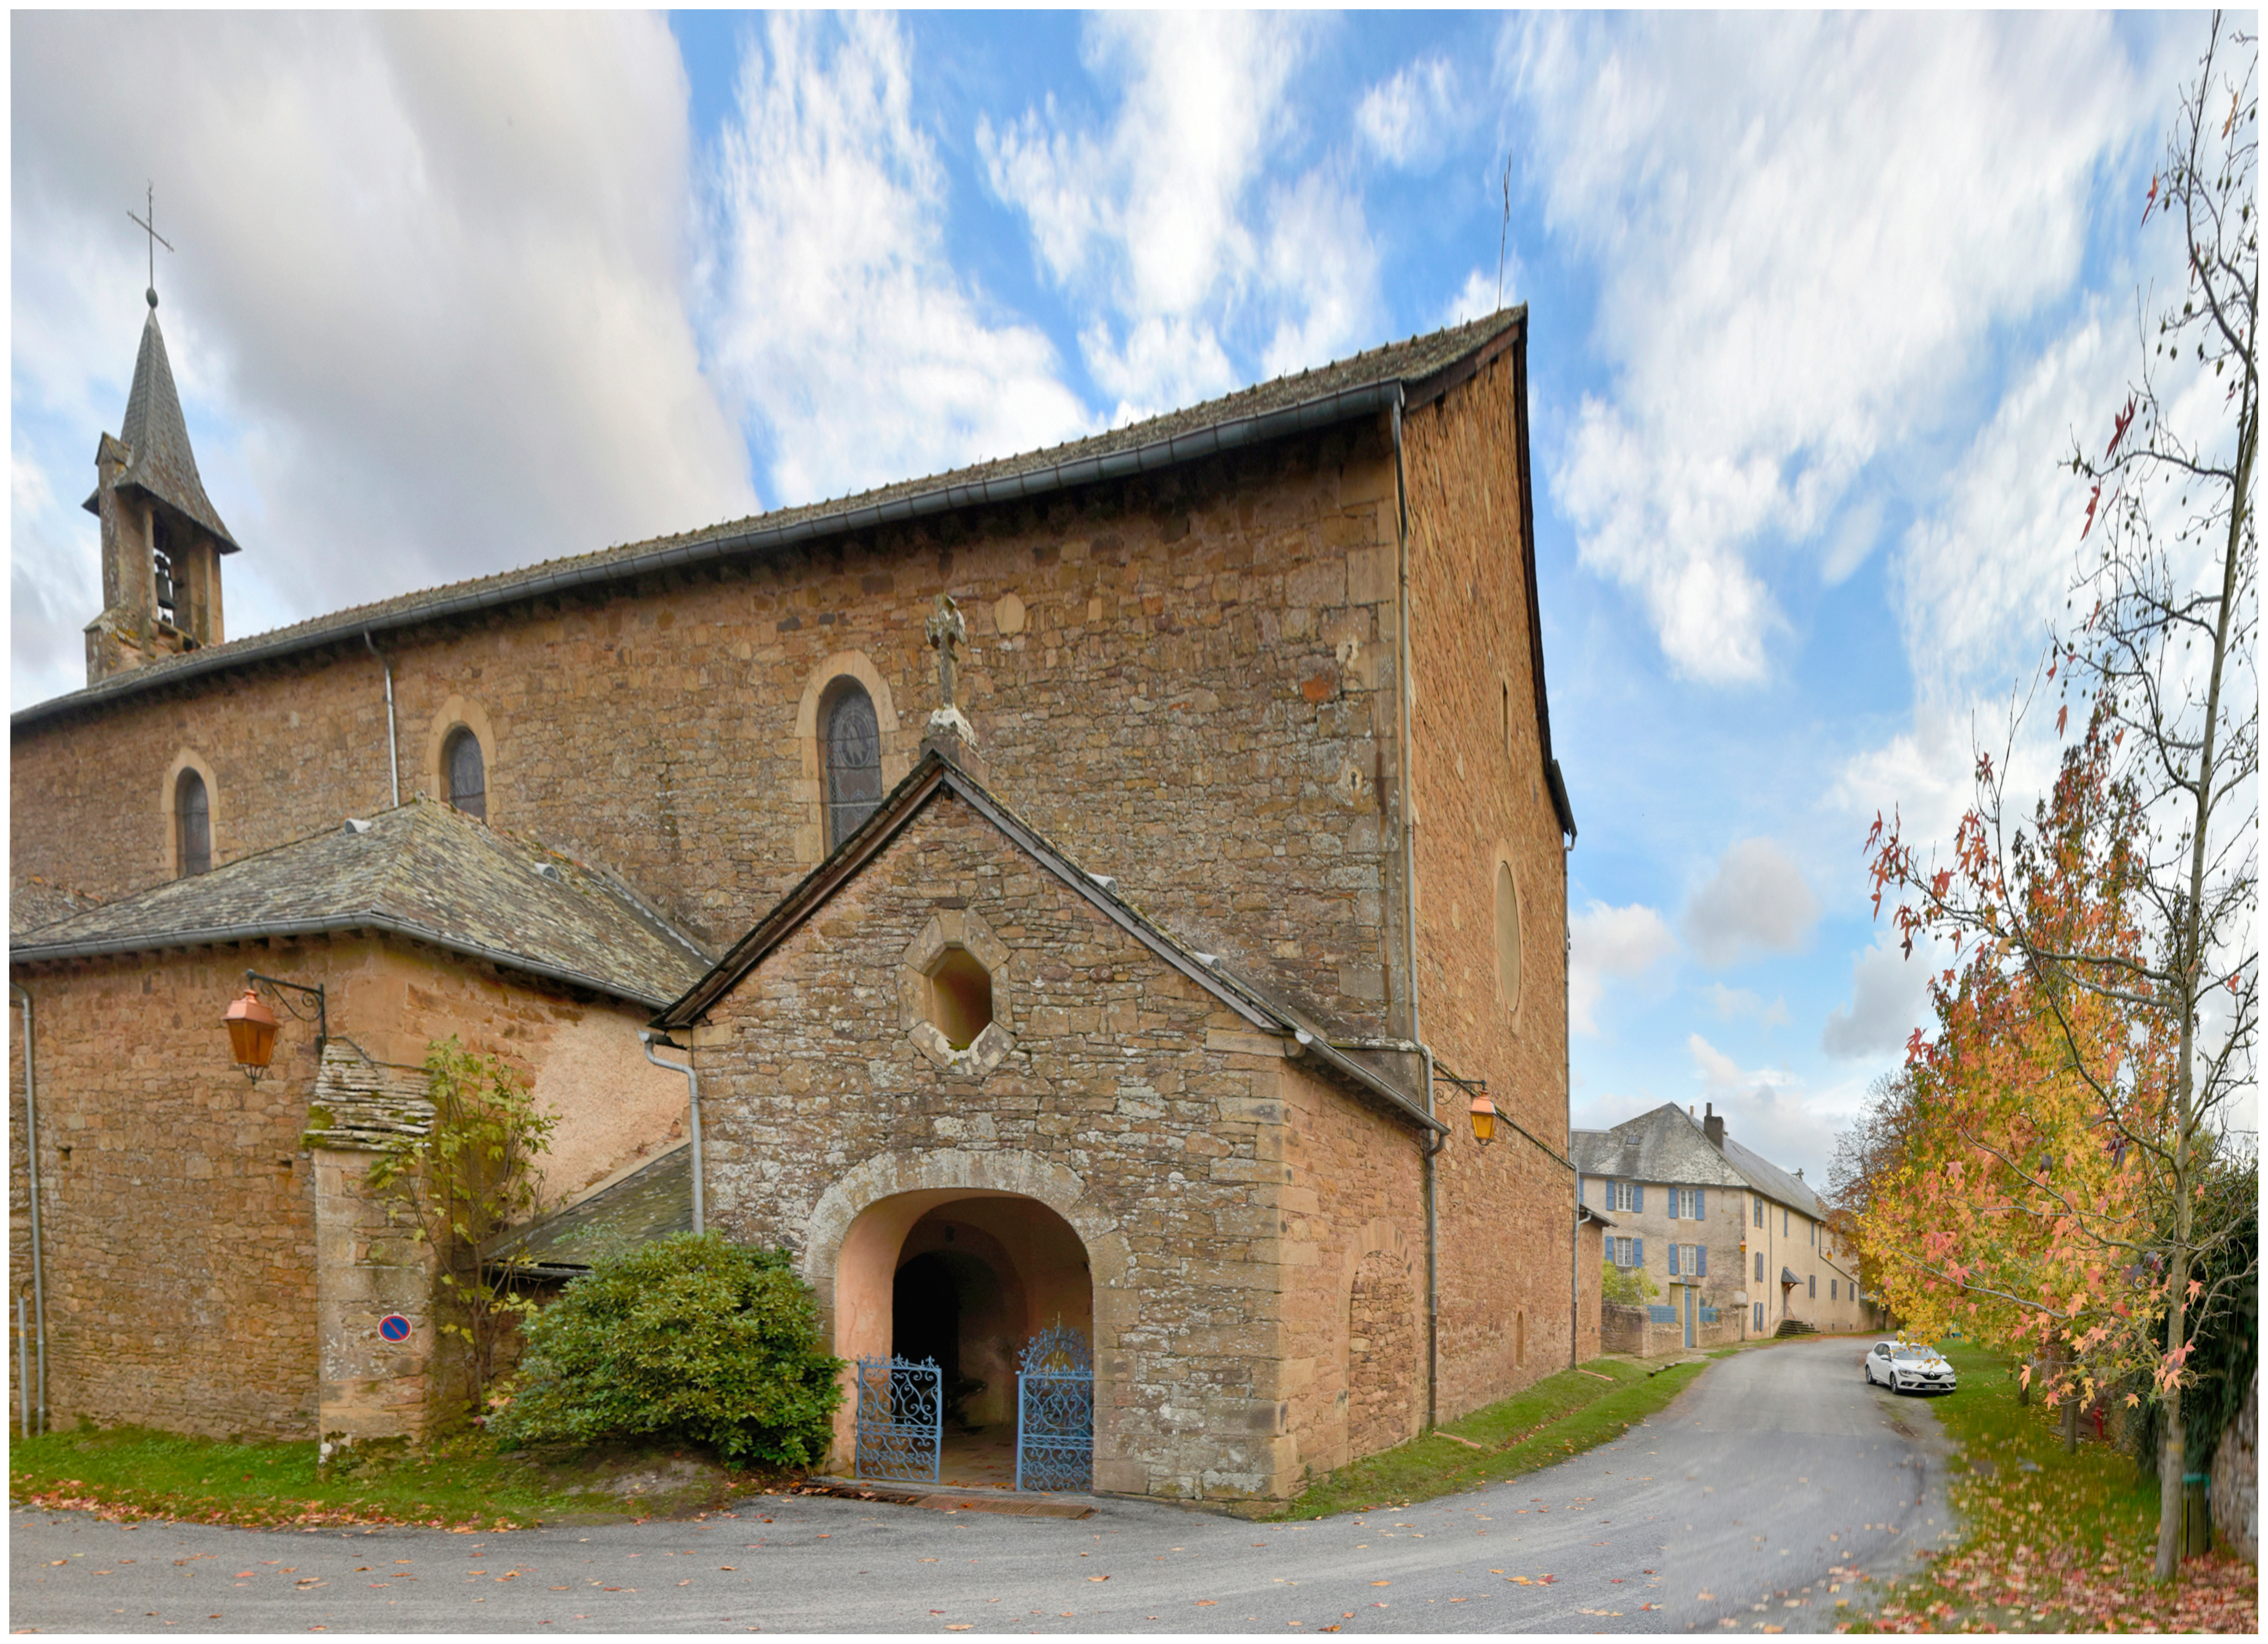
x=839 y=319
x=1736 y=1004
x=1609 y=942
x=1804 y=232
x=1890 y=999
x=426 y=309
x=1410 y=119
x=1771 y=1110
x=1979 y=579
x=1757 y=902
x=1198 y=267
x=1484 y=292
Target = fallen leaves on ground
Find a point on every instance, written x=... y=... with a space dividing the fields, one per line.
x=2013 y=1573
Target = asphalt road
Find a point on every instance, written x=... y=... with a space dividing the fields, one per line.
x=1755 y=1501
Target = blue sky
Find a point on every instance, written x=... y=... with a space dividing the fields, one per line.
x=1817 y=308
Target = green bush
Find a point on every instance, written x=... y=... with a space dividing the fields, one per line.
x=1627 y=1286
x=686 y=1337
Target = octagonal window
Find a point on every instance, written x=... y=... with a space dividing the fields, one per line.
x=960 y=1002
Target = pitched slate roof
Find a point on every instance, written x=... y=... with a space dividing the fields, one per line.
x=652 y=1201
x=1668 y=1145
x=421 y=871
x=160 y=462
x=36 y=903
x=1362 y=386
x=934 y=776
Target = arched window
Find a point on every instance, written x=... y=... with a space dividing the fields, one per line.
x=468 y=782
x=192 y=824
x=851 y=742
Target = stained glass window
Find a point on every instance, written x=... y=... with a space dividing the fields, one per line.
x=851 y=741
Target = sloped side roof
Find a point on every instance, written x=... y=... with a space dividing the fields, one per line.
x=157 y=437
x=1361 y=386
x=422 y=871
x=36 y=903
x=1772 y=1182
x=1668 y=1145
x=934 y=775
x=652 y=1201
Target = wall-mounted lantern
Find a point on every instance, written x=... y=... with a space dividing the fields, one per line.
x=1483 y=1112
x=251 y=1034
x=252 y=1025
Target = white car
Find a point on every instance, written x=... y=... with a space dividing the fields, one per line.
x=1909 y=1367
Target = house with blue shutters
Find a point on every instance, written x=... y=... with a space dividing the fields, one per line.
x=1737 y=1247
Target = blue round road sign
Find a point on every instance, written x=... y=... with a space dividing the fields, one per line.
x=394 y=1327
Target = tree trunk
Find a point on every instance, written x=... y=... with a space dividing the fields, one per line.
x=2071 y=1426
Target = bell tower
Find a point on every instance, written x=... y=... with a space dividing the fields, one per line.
x=161 y=539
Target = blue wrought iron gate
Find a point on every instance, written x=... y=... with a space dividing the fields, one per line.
x=901 y=1420
x=1055 y=1412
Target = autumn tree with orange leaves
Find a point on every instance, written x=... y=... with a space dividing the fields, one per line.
x=2099 y=1023
x=2003 y=1198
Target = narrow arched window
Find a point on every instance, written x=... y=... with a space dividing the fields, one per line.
x=851 y=741
x=468 y=779
x=192 y=824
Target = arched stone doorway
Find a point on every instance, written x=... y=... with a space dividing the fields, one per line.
x=964 y=1276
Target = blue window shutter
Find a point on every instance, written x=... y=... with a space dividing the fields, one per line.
x=1638 y=1245
x=1673 y=1261
x=1701 y=1261
x=1638 y=1196
x=1698 y=1211
x=1673 y=1203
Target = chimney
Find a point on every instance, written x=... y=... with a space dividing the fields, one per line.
x=1714 y=1128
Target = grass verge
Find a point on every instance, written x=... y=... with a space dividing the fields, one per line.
x=467 y=1484
x=1560 y=1416
x=2053 y=1542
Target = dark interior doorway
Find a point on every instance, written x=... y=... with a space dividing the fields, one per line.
x=939 y=1299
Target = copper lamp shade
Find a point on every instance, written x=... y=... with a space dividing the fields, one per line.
x=251 y=1033
x=1484 y=1119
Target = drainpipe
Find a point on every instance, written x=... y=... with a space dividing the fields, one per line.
x=393 y=742
x=32 y=1161
x=1435 y=1143
x=693 y=1100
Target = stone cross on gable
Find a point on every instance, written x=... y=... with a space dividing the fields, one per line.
x=947 y=628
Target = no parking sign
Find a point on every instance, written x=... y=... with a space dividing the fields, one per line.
x=394 y=1327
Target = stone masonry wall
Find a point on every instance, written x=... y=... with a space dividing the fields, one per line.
x=1177 y=678
x=1477 y=774
x=1131 y=1101
x=178 y=1200
x=178 y=1207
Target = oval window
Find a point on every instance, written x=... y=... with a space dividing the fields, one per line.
x=1508 y=934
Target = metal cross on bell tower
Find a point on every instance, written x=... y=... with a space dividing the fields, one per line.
x=149 y=205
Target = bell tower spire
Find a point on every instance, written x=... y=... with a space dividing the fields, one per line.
x=162 y=539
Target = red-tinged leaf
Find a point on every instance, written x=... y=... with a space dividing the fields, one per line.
x=2092 y=497
x=2120 y=427
x=2062 y=715
x=2149 y=199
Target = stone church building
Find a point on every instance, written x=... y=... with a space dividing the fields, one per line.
x=1122 y=885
